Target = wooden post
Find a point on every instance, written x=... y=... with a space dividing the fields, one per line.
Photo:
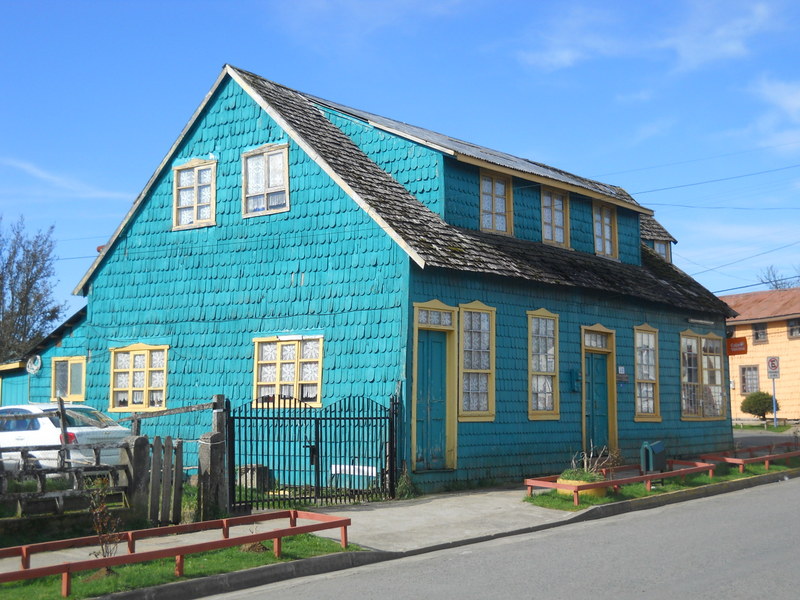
x=276 y=547
x=179 y=565
x=166 y=483
x=66 y=582
x=344 y=537
x=136 y=460
x=177 y=485
x=155 y=481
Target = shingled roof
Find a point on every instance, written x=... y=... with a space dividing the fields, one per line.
x=653 y=230
x=440 y=244
x=425 y=236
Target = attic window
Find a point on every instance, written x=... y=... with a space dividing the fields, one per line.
x=194 y=194
x=605 y=230
x=496 y=212
x=265 y=178
x=555 y=219
x=663 y=249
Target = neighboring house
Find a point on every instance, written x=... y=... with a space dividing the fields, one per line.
x=291 y=246
x=770 y=322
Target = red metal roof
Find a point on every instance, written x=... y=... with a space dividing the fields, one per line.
x=772 y=305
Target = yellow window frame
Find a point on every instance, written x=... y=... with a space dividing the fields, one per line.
x=295 y=360
x=543 y=414
x=702 y=386
x=604 y=230
x=195 y=166
x=654 y=416
x=265 y=152
x=488 y=215
x=70 y=361
x=549 y=213
x=149 y=390
x=463 y=371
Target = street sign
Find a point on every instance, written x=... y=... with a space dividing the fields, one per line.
x=773 y=367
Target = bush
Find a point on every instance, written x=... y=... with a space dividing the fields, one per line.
x=581 y=475
x=758 y=404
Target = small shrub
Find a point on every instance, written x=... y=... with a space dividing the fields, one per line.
x=405 y=487
x=758 y=404
x=581 y=475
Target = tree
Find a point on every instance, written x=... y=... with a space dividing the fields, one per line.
x=758 y=404
x=776 y=281
x=28 y=310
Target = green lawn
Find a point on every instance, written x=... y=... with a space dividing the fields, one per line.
x=130 y=577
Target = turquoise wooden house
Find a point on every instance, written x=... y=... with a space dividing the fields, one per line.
x=289 y=246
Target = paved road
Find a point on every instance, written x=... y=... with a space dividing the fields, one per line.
x=741 y=545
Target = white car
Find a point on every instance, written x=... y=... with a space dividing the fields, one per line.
x=85 y=425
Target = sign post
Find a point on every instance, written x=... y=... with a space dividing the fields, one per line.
x=774 y=372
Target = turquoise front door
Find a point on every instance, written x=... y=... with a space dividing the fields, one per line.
x=431 y=399
x=596 y=374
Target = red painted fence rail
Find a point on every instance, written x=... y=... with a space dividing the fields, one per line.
x=753 y=456
x=323 y=522
x=689 y=467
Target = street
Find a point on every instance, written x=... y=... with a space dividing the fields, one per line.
x=738 y=545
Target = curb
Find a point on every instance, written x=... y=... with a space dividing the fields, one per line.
x=238 y=580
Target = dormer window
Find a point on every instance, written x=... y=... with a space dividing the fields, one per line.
x=605 y=230
x=194 y=194
x=496 y=211
x=663 y=248
x=555 y=217
x=265 y=177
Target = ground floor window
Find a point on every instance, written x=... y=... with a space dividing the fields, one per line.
x=543 y=365
x=288 y=369
x=69 y=378
x=646 y=388
x=749 y=379
x=138 y=378
x=477 y=361
x=702 y=391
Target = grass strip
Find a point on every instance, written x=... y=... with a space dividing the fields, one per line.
x=130 y=577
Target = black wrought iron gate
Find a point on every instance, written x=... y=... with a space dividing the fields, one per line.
x=287 y=455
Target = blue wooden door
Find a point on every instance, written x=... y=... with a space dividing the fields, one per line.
x=596 y=374
x=431 y=399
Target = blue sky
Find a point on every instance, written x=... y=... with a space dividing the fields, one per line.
x=691 y=106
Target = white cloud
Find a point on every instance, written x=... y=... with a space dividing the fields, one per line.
x=715 y=32
x=779 y=125
x=64 y=186
x=572 y=38
x=653 y=129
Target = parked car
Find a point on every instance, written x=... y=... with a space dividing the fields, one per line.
x=85 y=425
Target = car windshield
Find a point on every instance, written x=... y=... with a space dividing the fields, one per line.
x=81 y=417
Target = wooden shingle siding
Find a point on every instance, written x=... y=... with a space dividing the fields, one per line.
x=323 y=267
x=513 y=445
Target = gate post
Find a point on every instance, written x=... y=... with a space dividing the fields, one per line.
x=136 y=458
x=212 y=484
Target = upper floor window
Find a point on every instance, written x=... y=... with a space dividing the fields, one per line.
x=194 y=194
x=265 y=181
x=760 y=333
x=496 y=212
x=69 y=378
x=749 y=379
x=477 y=362
x=646 y=349
x=138 y=378
x=702 y=392
x=793 y=328
x=288 y=369
x=605 y=230
x=663 y=248
x=543 y=365
x=555 y=216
